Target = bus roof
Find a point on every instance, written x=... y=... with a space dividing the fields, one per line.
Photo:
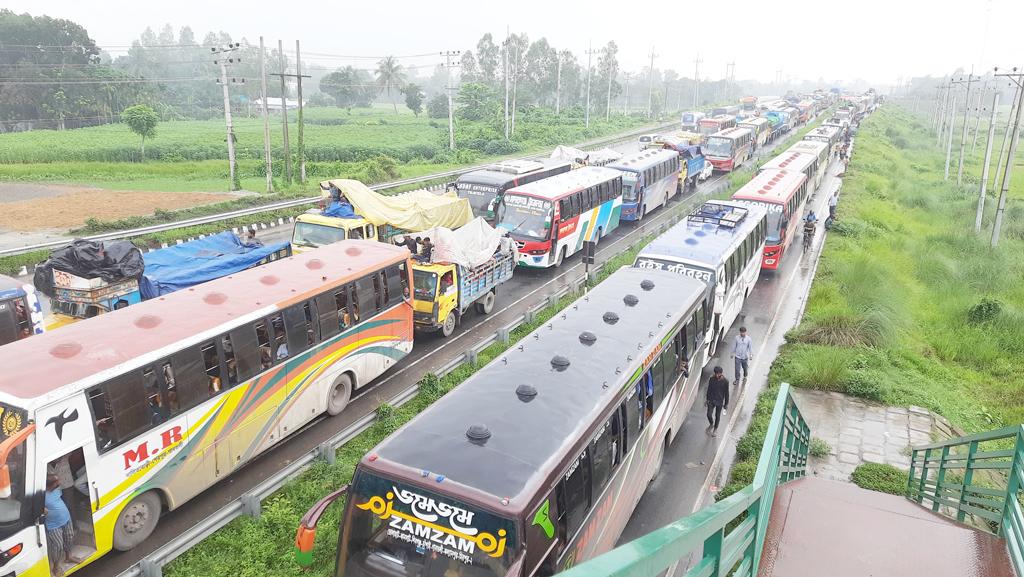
x=731 y=133
x=10 y=287
x=718 y=118
x=92 y=351
x=707 y=233
x=790 y=160
x=753 y=121
x=814 y=147
x=531 y=435
x=568 y=182
x=642 y=160
x=503 y=173
x=827 y=131
x=771 y=185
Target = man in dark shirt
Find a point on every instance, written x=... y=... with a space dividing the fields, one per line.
x=426 y=249
x=717 y=399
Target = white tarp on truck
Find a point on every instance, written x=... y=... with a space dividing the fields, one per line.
x=413 y=211
x=469 y=246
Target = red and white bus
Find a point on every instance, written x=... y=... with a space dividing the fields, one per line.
x=728 y=149
x=783 y=193
x=145 y=407
x=709 y=126
x=551 y=218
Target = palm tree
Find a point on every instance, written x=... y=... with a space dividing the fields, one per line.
x=390 y=76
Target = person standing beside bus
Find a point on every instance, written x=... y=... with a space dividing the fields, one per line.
x=60 y=533
x=743 y=353
x=716 y=399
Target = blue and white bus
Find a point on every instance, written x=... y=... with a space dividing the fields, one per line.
x=649 y=179
x=720 y=243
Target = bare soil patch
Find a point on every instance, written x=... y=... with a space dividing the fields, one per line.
x=62 y=207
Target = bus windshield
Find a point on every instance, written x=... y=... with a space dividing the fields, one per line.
x=13 y=508
x=310 y=234
x=717 y=146
x=396 y=530
x=526 y=216
x=630 y=190
x=479 y=195
x=424 y=284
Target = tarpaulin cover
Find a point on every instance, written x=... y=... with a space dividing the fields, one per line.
x=414 y=211
x=111 y=261
x=469 y=246
x=191 y=263
x=568 y=153
x=340 y=210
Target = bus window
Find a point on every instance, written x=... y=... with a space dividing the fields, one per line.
x=311 y=329
x=634 y=416
x=229 y=360
x=128 y=406
x=394 y=285
x=328 y=317
x=341 y=302
x=248 y=349
x=158 y=411
x=650 y=384
x=379 y=288
x=211 y=366
x=604 y=453
x=187 y=371
x=366 y=297
x=297 y=329
x=263 y=342
x=279 y=343
x=102 y=419
x=694 y=333
x=574 y=495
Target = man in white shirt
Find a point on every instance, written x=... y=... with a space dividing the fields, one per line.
x=832 y=202
x=743 y=353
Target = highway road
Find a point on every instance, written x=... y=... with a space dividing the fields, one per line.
x=524 y=290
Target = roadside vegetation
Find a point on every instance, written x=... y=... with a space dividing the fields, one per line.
x=880 y=477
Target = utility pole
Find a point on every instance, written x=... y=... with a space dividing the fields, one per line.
x=302 y=142
x=650 y=87
x=590 y=53
x=608 y=103
x=984 y=169
x=298 y=76
x=949 y=140
x=730 y=79
x=558 y=87
x=696 y=82
x=625 y=105
x=223 y=62
x=266 y=118
x=980 y=108
x=506 y=82
x=1006 y=138
x=1008 y=170
x=450 y=62
x=963 y=132
x=945 y=108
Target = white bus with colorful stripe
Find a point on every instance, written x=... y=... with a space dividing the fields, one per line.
x=139 y=410
x=649 y=179
x=550 y=219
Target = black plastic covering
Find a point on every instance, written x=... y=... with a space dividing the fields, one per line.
x=113 y=261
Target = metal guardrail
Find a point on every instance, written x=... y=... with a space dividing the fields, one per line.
x=293 y=203
x=250 y=502
x=722 y=550
x=975 y=478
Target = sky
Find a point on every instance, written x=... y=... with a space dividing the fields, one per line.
x=875 y=40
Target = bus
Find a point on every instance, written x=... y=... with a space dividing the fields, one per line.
x=147 y=406
x=820 y=151
x=533 y=475
x=690 y=121
x=783 y=194
x=649 y=179
x=728 y=149
x=484 y=188
x=21 y=314
x=550 y=219
x=760 y=127
x=720 y=243
x=731 y=110
x=749 y=103
x=830 y=135
x=709 y=126
x=802 y=162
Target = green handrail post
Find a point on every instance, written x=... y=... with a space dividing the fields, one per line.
x=910 y=474
x=924 y=476
x=940 y=479
x=1012 y=482
x=713 y=550
x=972 y=449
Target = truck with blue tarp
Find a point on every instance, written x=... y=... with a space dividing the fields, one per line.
x=694 y=166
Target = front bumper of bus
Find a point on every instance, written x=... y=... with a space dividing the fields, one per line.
x=534 y=254
x=772 y=257
x=723 y=164
x=629 y=211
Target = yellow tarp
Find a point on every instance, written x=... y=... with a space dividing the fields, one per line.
x=414 y=211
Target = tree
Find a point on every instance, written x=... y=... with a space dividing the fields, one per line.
x=414 y=98
x=488 y=59
x=347 y=87
x=476 y=101
x=390 y=76
x=142 y=120
x=470 y=72
x=541 y=74
x=437 y=106
x=607 y=70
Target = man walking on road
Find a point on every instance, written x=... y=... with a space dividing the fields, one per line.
x=717 y=399
x=832 y=202
x=743 y=353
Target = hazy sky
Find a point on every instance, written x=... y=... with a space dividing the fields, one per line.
x=876 y=40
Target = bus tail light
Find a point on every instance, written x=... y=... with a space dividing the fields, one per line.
x=537 y=252
x=10 y=554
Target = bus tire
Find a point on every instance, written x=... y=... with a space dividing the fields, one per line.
x=560 y=257
x=643 y=213
x=485 y=305
x=339 y=395
x=660 y=459
x=599 y=236
x=136 y=521
x=448 y=327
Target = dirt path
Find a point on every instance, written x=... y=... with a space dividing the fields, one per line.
x=32 y=207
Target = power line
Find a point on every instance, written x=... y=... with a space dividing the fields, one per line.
x=17 y=81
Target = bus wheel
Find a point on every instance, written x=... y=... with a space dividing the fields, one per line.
x=449 y=325
x=660 y=460
x=341 y=392
x=136 y=521
x=485 y=305
x=560 y=258
x=643 y=213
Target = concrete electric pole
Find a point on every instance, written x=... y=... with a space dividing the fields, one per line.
x=1008 y=169
x=223 y=60
x=267 y=160
x=984 y=169
x=590 y=52
x=963 y=132
x=450 y=61
x=298 y=76
x=650 y=87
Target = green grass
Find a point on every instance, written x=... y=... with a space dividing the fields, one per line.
x=909 y=307
x=820 y=448
x=880 y=477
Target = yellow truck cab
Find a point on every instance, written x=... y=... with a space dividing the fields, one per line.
x=313 y=230
x=442 y=292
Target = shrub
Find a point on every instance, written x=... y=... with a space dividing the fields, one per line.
x=880 y=477
x=743 y=473
x=430 y=387
x=859 y=385
x=499 y=147
x=820 y=448
x=985 y=311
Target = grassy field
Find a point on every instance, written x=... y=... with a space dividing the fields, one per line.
x=909 y=307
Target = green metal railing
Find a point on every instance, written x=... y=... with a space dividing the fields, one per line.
x=719 y=548
x=975 y=479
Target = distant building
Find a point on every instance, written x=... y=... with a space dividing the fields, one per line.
x=274 y=104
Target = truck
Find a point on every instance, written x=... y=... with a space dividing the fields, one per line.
x=20 y=312
x=695 y=168
x=466 y=268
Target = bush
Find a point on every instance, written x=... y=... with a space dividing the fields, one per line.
x=880 y=477
x=499 y=147
x=819 y=448
x=985 y=311
x=859 y=385
x=743 y=473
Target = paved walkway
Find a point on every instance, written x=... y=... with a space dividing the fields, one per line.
x=859 y=431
